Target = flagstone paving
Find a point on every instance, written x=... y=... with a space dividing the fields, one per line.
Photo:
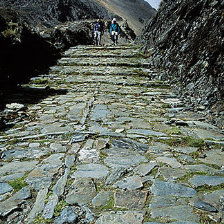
x=113 y=145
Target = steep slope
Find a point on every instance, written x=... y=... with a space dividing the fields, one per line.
x=134 y=11
x=51 y=13
x=188 y=37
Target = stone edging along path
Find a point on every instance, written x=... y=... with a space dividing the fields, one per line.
x=115 y=147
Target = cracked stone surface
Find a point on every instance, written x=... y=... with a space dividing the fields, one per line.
x=104 y=148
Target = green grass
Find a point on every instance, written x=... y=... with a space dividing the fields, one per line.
x=206 y=188
x=18 y=184
x=60 y=206
x=9 y=33
x=40 y=81
x=173 y=131
x=194 y=142
x=185 y=141
x=40 y=220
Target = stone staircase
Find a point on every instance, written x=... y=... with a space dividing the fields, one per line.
x=111 y=145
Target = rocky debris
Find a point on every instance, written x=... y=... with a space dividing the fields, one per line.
x=102 y=164
x=188 y=43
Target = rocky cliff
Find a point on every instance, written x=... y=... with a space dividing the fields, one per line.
x=41 y=13
x=188 y=41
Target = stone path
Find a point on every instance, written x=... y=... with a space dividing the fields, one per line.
x=118 y=147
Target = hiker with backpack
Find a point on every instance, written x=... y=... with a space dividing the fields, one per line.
x=114 y=31
x=98 y=29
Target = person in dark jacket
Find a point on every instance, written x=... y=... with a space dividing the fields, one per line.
x=97 y=32
x=114 y=31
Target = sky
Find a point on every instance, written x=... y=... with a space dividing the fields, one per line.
x=154 y=3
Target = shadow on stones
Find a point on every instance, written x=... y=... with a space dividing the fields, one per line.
x=21 y=95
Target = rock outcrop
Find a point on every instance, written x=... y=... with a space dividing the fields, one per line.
x=188 y=40
x=23 y=51
x=44 y=14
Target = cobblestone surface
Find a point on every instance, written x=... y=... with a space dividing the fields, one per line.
x=115 y=146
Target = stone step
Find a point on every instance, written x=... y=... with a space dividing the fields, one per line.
x=90 y=53
x=104 y=55
x=106 y=62
x=99 y=70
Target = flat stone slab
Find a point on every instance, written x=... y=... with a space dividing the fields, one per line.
x=130 y=199
x=79 y=137
x=162 y=188
x=130 y=217
x=181 y=212
x=170 y=161
x=129 y=183
x=56 y=147
x=146 y=132
x=199 y=180
x=38 y=206
x=206 y=134
x=130 y=144
x=17 y=167
x=185 y=150
x=215 y=156
x=158 y=147
x=89 y=156
x=184 y=222
x=145 y=169
x=115 y=175
x=165 y=201
x=200 y=168
x=171 y=174
x=205 y=206
x=100 y=112
x=186 y=159
x=4 y=188
x=92 y=170
x=102 y=198
x=11 y=177
x=127 y=158
x=212 y=199
x=82 y=191
x=48 y=211
x=55 y=129
x=67 y=216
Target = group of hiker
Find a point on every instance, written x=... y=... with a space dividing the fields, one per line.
x=112 y=27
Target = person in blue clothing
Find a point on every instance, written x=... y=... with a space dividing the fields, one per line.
x=114 y=31
x=97 y=32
